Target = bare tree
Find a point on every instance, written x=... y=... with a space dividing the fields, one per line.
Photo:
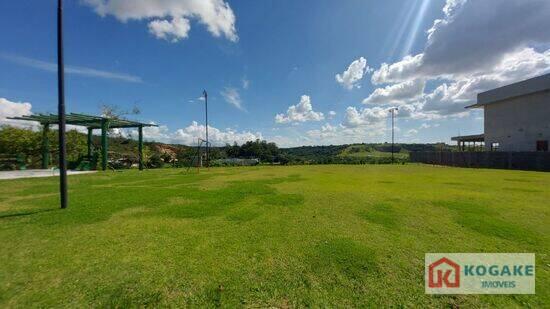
x=116 y=112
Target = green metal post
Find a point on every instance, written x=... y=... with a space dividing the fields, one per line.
x=140 y=147
x=45 y=146
x=90 y=131
x=104 y=128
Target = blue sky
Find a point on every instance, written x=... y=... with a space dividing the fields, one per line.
x=257 y=59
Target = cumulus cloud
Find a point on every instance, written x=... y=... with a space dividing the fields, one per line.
x=476 y=46
x=331 y=114
x=52 y=67
x=451 y=97
x=351 y=77
x=169 y=19
x=336 y=135
x=326 y=131
x=366 y=116
x=18 y=109
x=371 y=124
x=232 y=96
x=472 y=37
x=15 y=109
x=190 y=135
x=397 y=93
x=410 y=133
x=174 y=30
x=301 y=112
x=399 y=71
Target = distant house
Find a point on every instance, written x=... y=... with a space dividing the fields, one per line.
x=517 y=117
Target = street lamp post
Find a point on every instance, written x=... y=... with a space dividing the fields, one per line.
x=61 y=107
x=392 y=111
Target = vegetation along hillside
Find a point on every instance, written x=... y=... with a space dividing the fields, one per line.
x=123 y=151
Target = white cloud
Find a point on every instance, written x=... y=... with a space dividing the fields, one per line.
x=15 y=109
x=399 y=71
x=52 y=67
x=331 y=114
x=376 y=131
x=174 y=30
x=410 y=133
x=476 y=46
x=473 y=37
x=190 y=135
x=18 y=109
x=350 y=78
x=366 y=116
x=301 y=112
x=246 y=83
x=397 y=93
x=452 y=97
x=326 y=131
x=232 y=96
x=171 y=17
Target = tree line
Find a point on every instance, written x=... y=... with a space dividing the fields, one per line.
x=123 y=152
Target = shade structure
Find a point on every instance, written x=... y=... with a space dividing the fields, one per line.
x=462 y=140
x=91 y=122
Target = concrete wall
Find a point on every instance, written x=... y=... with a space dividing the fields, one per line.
x=517 y=123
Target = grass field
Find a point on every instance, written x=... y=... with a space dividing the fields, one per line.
x=265 y=236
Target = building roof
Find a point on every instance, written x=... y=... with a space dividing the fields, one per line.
x=92 y=122
x=529 y=86
x=469 y=138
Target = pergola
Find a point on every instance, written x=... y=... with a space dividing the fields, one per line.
x=91 y=123
x=462 y=140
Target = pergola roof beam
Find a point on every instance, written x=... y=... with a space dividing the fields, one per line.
x=89 y=121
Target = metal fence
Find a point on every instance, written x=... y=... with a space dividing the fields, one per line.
x=534 y=161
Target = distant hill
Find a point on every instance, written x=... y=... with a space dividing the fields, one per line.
x=357 y=153
x=369 y=151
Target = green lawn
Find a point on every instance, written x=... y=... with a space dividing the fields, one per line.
x=265 y=236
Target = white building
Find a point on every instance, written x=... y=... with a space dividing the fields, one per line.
x=517 y=117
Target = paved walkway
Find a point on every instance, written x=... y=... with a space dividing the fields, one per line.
x=37 y=173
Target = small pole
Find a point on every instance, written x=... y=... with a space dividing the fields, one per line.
x=392 y=111
x=140 y=147
x=104 y=143
x=45 y=146
x=207 y=142
x=90 y=132
x=61 y=107
x=199 y=155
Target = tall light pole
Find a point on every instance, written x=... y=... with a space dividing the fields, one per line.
x=207 y=142
x=61 y=107
x=392 y=111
